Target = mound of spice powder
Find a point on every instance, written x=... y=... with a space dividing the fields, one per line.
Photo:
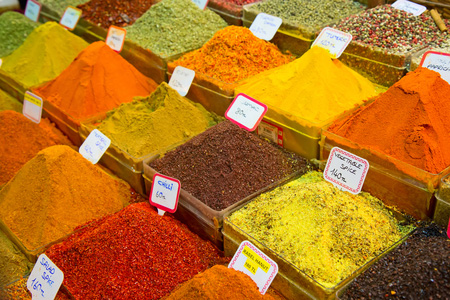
x=98 y=80
x=18 y=291
x=13 y=263
x=14 y=29
x=55 y=192
x=21 y=139
x=417 y=269
x=218 y=282
x=46 y=52
x=225 y=164
x=325 y=232
x=7 y=102
x=59 y=6
x=158 y=121
x=233 y=54
x=105 y=13
x=416 y=128
x=174 y=27
x=133 y=254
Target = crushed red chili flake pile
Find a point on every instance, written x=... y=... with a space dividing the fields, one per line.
x=133 y=254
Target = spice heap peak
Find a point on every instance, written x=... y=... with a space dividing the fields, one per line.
x=14 y=29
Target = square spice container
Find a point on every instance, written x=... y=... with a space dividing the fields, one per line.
x=230 y=12
x=12 y=86
x=442 y=211
x=397 y=183
x=290 y=281
x=62 y=294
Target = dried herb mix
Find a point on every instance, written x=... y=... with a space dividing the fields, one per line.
x=14 y=29
x=13 y=263
x=18 y=291
x=225 y=164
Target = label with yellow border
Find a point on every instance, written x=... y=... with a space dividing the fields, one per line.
x=32 y=107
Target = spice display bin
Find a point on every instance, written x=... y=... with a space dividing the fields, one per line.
x=62 y=288
x=12 y=86
x=230 y=12
x=397 y=183
x=442 y=211
x=290 y=281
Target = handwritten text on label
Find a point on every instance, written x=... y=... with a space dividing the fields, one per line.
x=116 y=38
x=246 y=112
x=408 y=6
x=265 y=26
x=45 y=279
x=181 y=80
x=165 y=193
x=335 y=41
x=32 y=10
x=94 y=146
x=439 y=62
x=70 y=17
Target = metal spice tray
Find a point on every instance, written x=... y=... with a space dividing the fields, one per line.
x=397 y=183
x=442 y=212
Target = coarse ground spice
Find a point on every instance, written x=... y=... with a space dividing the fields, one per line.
x=60 y=6
x=233 y=54
x=325 y=232
x=419 y=135
x=417 y=269
x=153 y=123
x=98 y=80
x=7 y=102
x=46 y=52
x=133 y=254
x=218 y=282
x=13 y=263
x=225 y=164
x=14 y=29
x=21 y=139
x=174 y=27
x=55 y=192
x=105 y=13
x=18 y=291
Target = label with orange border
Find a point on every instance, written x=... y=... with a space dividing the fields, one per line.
x=437 y=61
x=165 y=193
x=201 y=3
x=32 y=107
x=246 y=112
x=335 y=41
x=70 y=17
x=33 y=10
x=116 y=38
x=271 y=132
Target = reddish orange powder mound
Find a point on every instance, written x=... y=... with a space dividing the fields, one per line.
x=97 y=81
x=410 y=122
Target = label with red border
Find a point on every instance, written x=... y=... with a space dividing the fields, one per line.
x=437 y=61
x=201 y=3
x=181 y=80
x=253 y=262
x=32 y=107
x=94 y=146
x=345 y=170
x=116 y=38
x=33 y=10
x=246 y=112
x=165 y=193
x=408 y=6
x=271 y=132
x=265 y=26
x=335 y=41
x=45 y=279
x=70 y=17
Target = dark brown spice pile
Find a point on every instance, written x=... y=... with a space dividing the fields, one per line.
x=225 y=164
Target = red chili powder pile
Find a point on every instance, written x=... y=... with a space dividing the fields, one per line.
x=97 y=81
x=410 y=122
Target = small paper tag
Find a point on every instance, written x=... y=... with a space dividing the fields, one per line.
x=201 y=3
x=250 y=260
x=45 y=279
x=94 y=146
x=346 y=170
x=32 y=107
x=70 y=17
x=408 y=6
x=246 y=112
x=181 y=80
x=33 y=10
x=1 y=62
x=271 y=132
x=437 y=61
x=333 y=40
x=265 y=26
x=116 y=38
x=165 y=193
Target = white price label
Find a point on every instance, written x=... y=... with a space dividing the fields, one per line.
x=32 y=107
x=345 y=170
x=437 y=61
x=45 y=279
x=270 y=131
x=333 y=40
x=32 y=10
x=265 y=26
x=70 y=17
x=408 y=6
x=116 y=38
x=246 y=112
x=251 y=261
x=201 y=3
x=95 y=146
x=165 y=193
x=181 y=80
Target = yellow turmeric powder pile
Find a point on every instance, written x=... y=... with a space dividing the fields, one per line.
x=326 y=233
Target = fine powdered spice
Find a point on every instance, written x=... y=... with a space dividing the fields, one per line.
x=225 y=164
x=174 y=27
x=14 y=29
x=313 y=87
x=55 y=192
x=158 y=121
x=21 y=139
x=417 y=269
x=133 y=254
x=416 y=128
x=19 y=291
x=325 y=232
x=60 y=6
x=13 y=263
x=46 y=52
x=218 y=282
x=97 y=81
x=233 y=54
x=7 y=102
x=105 y=13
